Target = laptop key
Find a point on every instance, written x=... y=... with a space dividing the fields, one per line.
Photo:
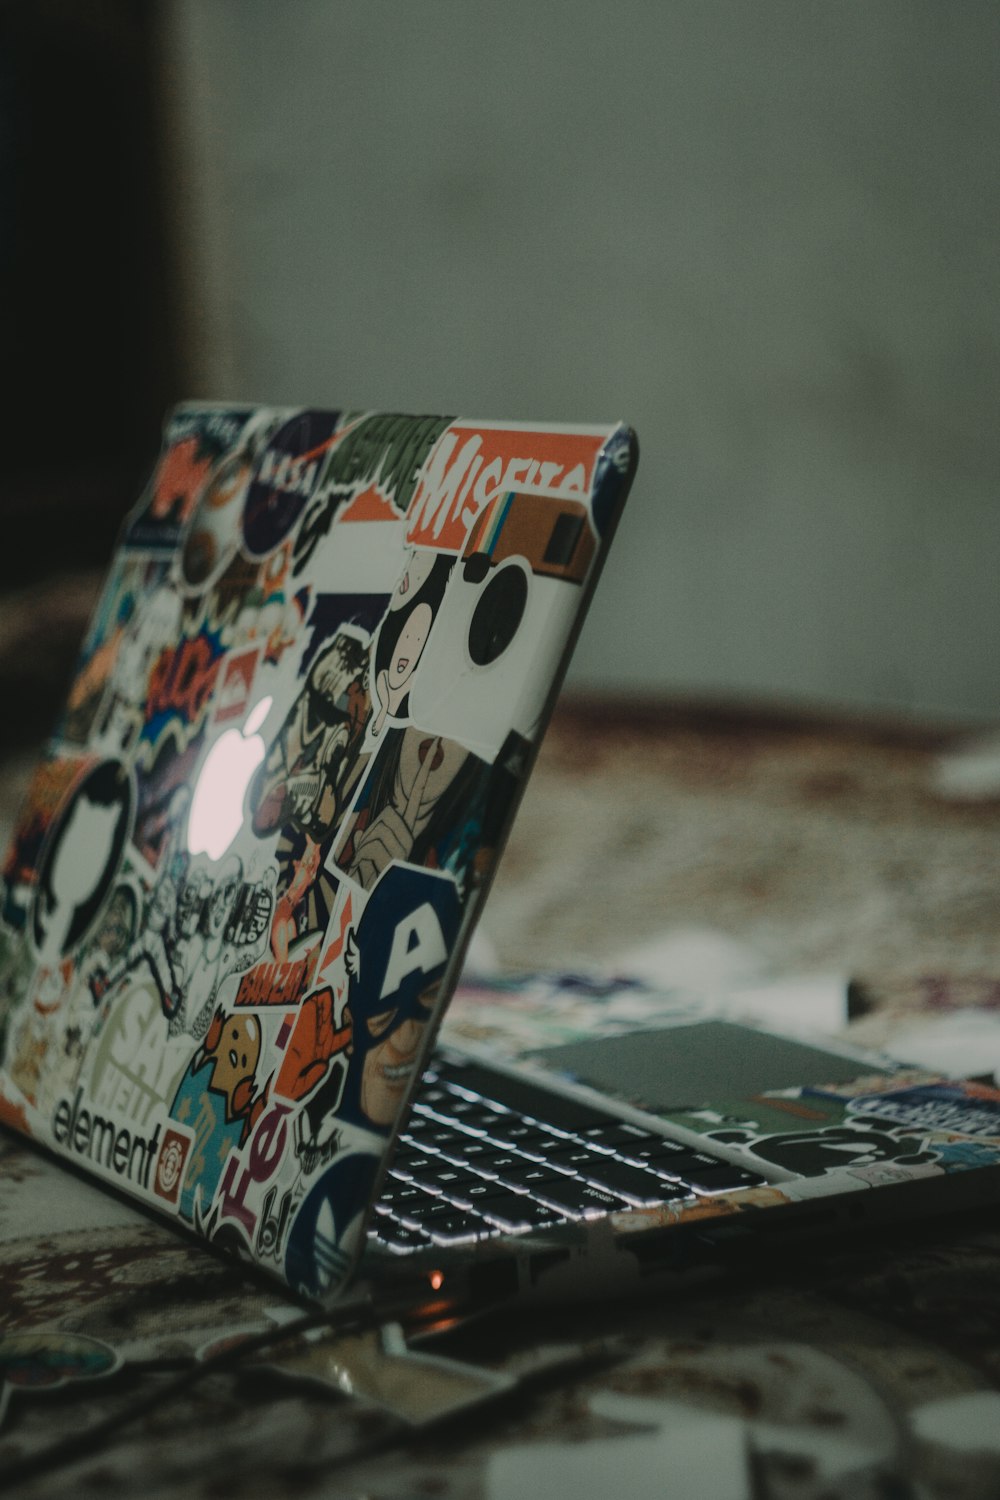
x=518 y=1212
x=461 y=1226
x=401 y=1236
x=631 y=1182
x=580 y=1197
x=530 y=1174
x=723 y=1178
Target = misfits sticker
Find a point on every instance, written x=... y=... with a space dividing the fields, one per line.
x=472 y=465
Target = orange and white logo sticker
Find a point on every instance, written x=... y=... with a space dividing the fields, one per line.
x=470 y=465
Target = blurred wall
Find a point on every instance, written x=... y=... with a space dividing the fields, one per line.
x=764 y=234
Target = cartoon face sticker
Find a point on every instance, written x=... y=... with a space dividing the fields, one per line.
x=220 y=904
x=301 y=780
x=390 y=1056
x=403 y=633
x=408 y=808
x=233 y=1045
x=395 y=961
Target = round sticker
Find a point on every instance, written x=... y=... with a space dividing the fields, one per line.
x=286 y=476
x=212 y=536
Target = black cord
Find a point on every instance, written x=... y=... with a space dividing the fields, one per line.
x=360 y=1312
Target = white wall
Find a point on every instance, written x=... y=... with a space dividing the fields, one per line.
x=763 y=233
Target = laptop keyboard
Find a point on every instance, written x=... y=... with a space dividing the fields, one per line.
x=484 y=1154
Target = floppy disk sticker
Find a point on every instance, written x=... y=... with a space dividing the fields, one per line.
x=195 y=439
x=508 y=611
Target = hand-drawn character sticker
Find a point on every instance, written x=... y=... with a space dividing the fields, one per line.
x=403 y=634
x=200 y=926
x=312 y=1072
x=306 y=781
x=429 y=801
x=219 y=1101
x=506 y=614
x=287 y=473
x=395 y=961
x=80 y=859
x=301 y=780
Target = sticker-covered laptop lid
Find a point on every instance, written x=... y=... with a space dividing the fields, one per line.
x=236 y=898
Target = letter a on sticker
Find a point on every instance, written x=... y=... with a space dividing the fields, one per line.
x=417 y=943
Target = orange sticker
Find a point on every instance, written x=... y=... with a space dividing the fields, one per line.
x=469 y=466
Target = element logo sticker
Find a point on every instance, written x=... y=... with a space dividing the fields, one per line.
x=170 y=1166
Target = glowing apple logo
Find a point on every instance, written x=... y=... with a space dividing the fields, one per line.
x=216 y=815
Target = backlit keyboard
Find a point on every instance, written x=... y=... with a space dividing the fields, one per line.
x=485 y=1154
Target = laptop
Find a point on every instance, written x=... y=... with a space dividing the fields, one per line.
x=237 y=899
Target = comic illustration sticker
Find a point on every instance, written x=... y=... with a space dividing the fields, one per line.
x=194 y=440
x=301 y=716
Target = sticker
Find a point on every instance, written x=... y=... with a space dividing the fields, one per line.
x=403 y=634
x=286 y=475
x=962 y=1108
x=219 y=1101
x=830 y=1148
x=395 y=959
x=422 y=803
x=49 y=1360
x=194 y=441
x=328 y=1226
x=80 y=859
x=508 y=611
x=170 y=1164
x=214 y=532
x=472 y=464
x=429 y=801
